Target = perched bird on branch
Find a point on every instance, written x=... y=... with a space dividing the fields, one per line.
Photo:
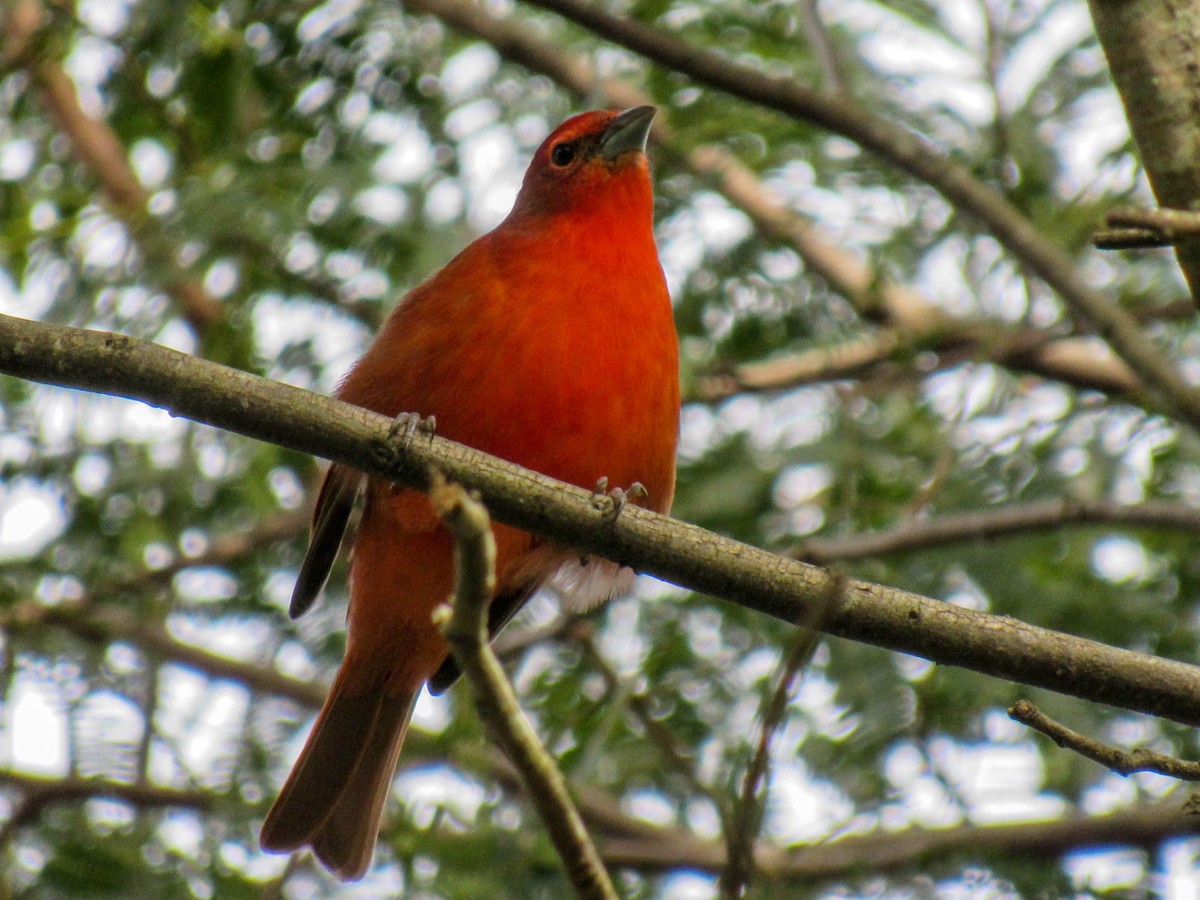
x=548 y=342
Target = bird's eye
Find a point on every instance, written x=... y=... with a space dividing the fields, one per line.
x=562 y=155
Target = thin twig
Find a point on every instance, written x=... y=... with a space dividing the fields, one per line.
x=832 y=77
x=745 y=823
x=110 y=624
x=466 y=631
x=150 y=671
x=1001 y=521
x=516 y=638
x=1119 y=761
x=1164 y=227
x=222 y=550
x=1139 y=229
x=1128 y=239
x=38 y=792
x=993 y=60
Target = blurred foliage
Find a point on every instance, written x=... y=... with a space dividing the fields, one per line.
x=307 y=164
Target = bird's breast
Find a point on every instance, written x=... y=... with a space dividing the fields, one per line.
x=547 y=354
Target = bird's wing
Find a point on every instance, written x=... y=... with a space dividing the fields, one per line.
x=583 y=584
x=503 y=607
x=334 y=504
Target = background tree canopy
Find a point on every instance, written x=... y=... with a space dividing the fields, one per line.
x=876 y=220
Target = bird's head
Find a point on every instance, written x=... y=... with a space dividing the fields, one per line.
x=594 y=159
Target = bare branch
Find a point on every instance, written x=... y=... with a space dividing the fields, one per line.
x=39 y=791
x=149 y=709
x=223 y=549
x=1146 y=826
x=1140 y=228
x=679 y=757
x=107 y=624
x=1000 y=521
x=671 y=550
x=466 y=630
x=1076 y=361
x=1146 y=43
x=635 y=844
x=1128 y=239
x=823 y=49
x=1119 y=761
x=743 y=828
x=513 y=639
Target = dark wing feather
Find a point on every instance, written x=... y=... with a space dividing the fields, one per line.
x=503 y=608
x=334 y=505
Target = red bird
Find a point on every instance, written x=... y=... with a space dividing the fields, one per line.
x=548 y=342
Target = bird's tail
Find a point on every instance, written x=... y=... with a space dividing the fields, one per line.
x=333 y=799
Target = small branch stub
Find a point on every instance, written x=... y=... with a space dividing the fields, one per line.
x=1119 y=761
x=464 y=624
x=1136 y=229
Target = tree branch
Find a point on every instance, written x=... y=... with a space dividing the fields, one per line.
x=914 y=155
x=1000 y=521
x=1118 y=761
x=1074 y=361
x=465 y=627
x=1146 y=826
x=40 y=791
x=913 y=322
x=1146 y=43
x=679 y=757
x=222 y=550
x=677 y=552
x=743 y=828
x=102 y=626
x=635 y=844
x=1140 y=228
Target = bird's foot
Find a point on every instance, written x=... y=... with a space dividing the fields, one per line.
x=406 y=426
x=610 y=502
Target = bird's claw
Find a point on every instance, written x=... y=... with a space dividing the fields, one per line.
x=406 y=426
x=402 y=432
x=610 y=502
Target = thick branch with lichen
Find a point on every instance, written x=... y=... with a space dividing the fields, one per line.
x=672 y=550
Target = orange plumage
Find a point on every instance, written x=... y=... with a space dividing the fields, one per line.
x=548 y=342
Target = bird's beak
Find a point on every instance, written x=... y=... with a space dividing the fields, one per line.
x=627 y=132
